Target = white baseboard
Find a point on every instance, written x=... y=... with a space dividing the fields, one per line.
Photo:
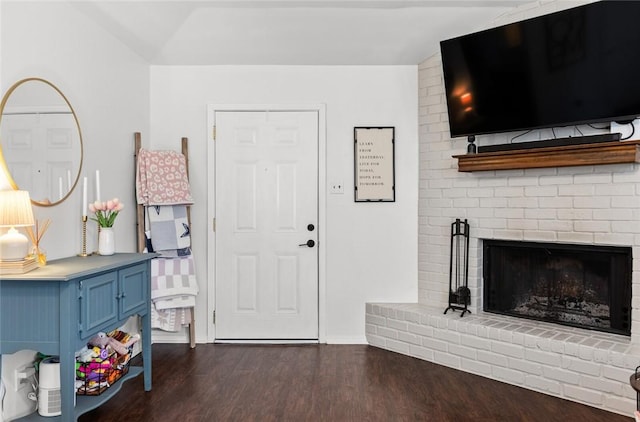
x=266 y=341
x=159 y=336
x=346 y=340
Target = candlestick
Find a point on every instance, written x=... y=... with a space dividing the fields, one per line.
x=84 y=236
x=84 y=198
x=97 y=185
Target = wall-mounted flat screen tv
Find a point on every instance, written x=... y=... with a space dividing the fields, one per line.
x=576 y=66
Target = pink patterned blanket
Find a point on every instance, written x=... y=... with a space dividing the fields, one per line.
x=161 y=178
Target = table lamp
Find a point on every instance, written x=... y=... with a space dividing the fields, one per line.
x=15 y=211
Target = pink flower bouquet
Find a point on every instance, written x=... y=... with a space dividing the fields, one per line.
x=106 y=212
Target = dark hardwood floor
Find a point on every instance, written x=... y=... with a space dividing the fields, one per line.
x=323 y=383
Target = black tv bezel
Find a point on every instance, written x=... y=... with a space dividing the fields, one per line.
x=622 y=118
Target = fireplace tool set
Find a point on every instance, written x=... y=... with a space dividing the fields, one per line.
x=459 y=293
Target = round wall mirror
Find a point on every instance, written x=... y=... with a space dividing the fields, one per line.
x=40 y=141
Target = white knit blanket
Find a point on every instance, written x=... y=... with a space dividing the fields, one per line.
x=170 y=319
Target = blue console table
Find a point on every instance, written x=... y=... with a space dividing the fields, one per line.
x=55 y=309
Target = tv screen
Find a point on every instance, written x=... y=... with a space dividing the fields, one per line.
x=577 y=66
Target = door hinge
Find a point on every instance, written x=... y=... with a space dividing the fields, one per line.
x=214 y=317
x=213 y=133
x=213 y=225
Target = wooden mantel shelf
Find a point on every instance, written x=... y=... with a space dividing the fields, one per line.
x=559 y=156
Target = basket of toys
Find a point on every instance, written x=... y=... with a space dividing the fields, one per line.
x=103 y=362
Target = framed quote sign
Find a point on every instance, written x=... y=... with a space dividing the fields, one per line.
x=374 y=164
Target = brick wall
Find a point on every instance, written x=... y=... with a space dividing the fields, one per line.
x=586 y=204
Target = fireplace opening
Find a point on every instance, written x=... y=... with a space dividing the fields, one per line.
x=586 y=286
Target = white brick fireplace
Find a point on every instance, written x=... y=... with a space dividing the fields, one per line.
x=585 y=205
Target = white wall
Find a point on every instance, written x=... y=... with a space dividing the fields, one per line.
x=108 y=87
x=371 y=248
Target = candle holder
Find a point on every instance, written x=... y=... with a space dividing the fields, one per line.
x=84 y=237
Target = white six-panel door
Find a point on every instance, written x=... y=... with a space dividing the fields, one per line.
x=266 y=213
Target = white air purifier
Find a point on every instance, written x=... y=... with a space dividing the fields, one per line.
x=49 y=403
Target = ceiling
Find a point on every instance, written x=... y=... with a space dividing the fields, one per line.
x=289 y=32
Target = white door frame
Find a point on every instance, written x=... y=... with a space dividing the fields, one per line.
x=322 y=204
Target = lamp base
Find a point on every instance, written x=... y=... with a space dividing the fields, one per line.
x=14 y=246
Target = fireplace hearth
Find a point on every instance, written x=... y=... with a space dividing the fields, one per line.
x=587 y=286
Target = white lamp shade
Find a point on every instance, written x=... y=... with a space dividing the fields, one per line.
x=15 y=208
x=15 y=211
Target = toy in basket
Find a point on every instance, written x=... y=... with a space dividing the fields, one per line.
x=103 y=362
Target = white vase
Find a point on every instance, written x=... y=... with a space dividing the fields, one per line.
x=106 y=241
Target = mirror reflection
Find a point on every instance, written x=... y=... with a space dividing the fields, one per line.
x=40 y=141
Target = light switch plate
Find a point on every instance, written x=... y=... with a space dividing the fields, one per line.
x=336 y=188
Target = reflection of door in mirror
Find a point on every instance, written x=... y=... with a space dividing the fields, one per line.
x=41 y=141
x=39 y=148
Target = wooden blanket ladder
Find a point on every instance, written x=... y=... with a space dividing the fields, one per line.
x=140 y=221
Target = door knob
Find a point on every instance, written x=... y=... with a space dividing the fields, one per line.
x=310 y=243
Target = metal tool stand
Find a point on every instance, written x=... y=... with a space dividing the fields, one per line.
x=459 y=293
x=634 y=380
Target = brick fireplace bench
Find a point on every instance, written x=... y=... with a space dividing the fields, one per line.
x=585 y=366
